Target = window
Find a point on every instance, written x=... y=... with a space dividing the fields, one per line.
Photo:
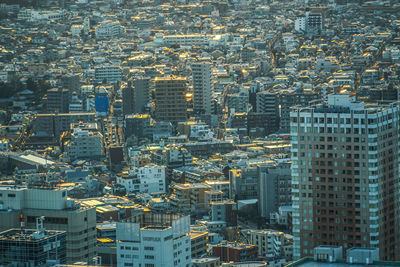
x=148 y=248
x=11 y=195
x=149 y=257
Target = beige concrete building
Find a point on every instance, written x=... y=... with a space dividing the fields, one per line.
x=60 y=213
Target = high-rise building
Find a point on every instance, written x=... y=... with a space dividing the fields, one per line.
x=140 y=126
x=58 y=100
x=170 y=99
x=71 y=81
x=202 y=87
x=243 y=183
x=274 y=188
x=290 y=98
x=60 y=214
x=154 y=240
x=345 y=182
x=136 y=95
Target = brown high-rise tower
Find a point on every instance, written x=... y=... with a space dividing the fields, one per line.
x=345 y=176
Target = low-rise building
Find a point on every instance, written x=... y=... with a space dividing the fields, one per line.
x=236 y=252
x=109 y=29
x=270 y=243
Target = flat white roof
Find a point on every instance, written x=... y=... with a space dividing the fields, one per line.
x=36 y=159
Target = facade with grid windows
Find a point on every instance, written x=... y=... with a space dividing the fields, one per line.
x=32 y=247
x=153 y=240
x=170 y=99
x=345 y=176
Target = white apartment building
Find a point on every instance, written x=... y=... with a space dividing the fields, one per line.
x=269 y=243
x=300 y=24
x=310 y=23
x=31 y=15
x=148 y=179
x=110 y=73
x=184 y=39
x=202 y=87
x=86 y=142
x=109 y=29
x=345 y=176
x=201 y=132
x=156 y=242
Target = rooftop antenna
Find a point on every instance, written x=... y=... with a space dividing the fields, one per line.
x=22 y=223
x=39 y=234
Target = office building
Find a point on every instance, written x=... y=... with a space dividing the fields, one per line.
x=72 y=82
x=138 y=126
x=32 y=247
x=170 y=99
x=290 y=98
x=135 y=95
x=274 y=188
x=154 y=240
x=243 y=183
x=345 y=176
x=224 y=211
x=202 y=87
x=55 y=124
x=58 y=100
x=60 y=213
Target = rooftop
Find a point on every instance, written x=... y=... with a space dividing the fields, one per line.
x=28 y=235
x=234 y=245
x=310 y=262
